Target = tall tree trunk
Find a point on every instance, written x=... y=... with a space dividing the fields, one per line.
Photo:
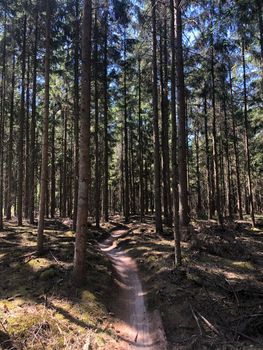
x=64 y=175
x=177 y=233
x=27 y=143
x=76 y=113
x=239 y=196
x=198 y=180
x=247 y=151
x=141 y=182
x=2 y=125
x=96 y=97
x=227 y=157
x=53 y=169
x=79 y=269
x=20 y=181
x=105 y=93
x=260 y=24
x=10 y=145
x=33 y=129
x=165 y=136
x=157 y=161
x=126 y=146
x=210 y=206
x=214 y=137
x=44 y=160
x=182 y=134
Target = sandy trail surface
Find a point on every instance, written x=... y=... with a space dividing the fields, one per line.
x=137 y=328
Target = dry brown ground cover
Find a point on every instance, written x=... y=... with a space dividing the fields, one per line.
x=39 y=308
x=214 y=301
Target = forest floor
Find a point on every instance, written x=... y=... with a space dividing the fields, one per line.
x=214 y=301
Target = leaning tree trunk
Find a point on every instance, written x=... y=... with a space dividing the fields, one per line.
x=44 y=160
x=79 y=269
x=157 y=161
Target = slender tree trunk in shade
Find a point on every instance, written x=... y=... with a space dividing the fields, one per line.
x=141 y=186
x=239 y=196
x=33 y=129
x=208 y=161
x=105 y=95
x=10 y=145
x=182 y=134
x=79 y=269
x=166 y=125
x=27 y=142
x=175 y=192
x=53 y=169
x=260 y=24
x=157 y=161
x=247 y=151
x=227 y=158
x=214 y=137
x=44 y=156
x=76 y=113
x=126 y=146
x=47 y=194
x=2 y=124
x=198 y=179
x=20 y=181
x=64 y=172
x=165 y=131
x=96 y=97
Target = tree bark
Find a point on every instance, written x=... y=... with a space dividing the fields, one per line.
x=76 y=113
x=105 y=93
x=79 y=269
x=126 y=146
x=157 y=162
x=214 y=137
x=96 y=97
x=10 y=145
x=20 y=181
x=239 y=196
x=141 y=182
x=33 y=129
x=175 y=192
x=44 y=158
x=247 y=151
x=182 y=134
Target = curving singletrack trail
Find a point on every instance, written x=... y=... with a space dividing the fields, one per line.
x=137 y=329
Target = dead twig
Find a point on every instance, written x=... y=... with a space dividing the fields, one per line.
x=209 y=324
x=196 y=320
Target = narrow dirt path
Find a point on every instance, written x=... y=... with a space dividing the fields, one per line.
x=136 y=328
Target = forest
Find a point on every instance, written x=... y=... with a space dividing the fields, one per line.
x=131 y=162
